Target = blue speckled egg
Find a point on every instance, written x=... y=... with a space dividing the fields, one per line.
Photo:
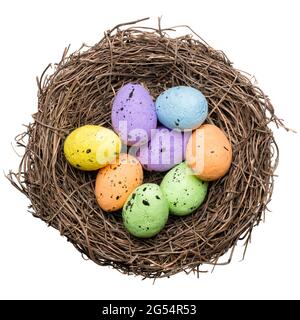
x=181 y=108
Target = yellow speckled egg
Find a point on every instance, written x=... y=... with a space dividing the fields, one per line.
x=209 y=152
x=115 y=182
x=91 y=147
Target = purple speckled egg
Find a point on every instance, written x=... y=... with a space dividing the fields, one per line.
x=133 y=114
x=165 y=149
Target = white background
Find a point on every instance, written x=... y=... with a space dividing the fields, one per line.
x=261 y=37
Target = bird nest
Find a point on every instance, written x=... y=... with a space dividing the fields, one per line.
x=80 y=91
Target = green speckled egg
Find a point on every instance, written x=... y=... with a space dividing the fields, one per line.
x=184 y=192
x=146 y=211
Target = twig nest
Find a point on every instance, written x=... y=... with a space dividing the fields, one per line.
x=81 y=90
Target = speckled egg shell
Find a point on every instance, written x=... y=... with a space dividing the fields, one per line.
x=209 y=152
x=165 y=149
x=183 y=191
x=133 y=114
x=181 y=107
x=91 y=147
x=146 y=211
x=115 y=182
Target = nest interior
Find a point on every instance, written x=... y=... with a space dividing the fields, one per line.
x=80 y=91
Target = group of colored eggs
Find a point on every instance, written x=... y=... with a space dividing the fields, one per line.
x=192 y=152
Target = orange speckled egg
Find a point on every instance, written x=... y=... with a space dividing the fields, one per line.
x=116 y=181
x=209 y=152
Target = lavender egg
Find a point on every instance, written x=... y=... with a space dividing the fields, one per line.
x=165 y=149
x=133 y=114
